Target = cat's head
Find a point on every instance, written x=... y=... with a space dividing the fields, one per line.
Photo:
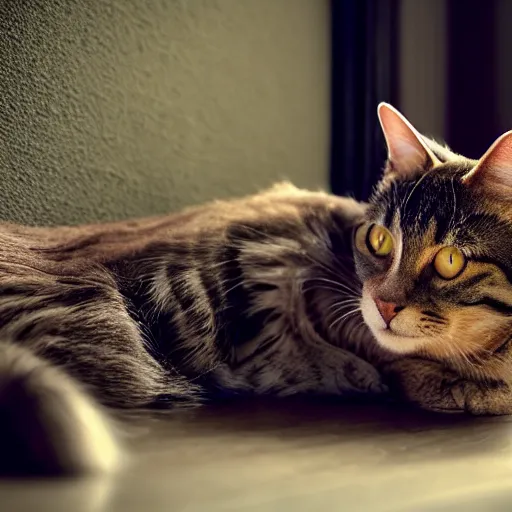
x=435 y=252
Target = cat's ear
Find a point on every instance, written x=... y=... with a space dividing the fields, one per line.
x=493 y=172
x=407 y=151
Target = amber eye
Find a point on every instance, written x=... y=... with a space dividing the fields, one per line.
x=449 y=262
x=379 y=240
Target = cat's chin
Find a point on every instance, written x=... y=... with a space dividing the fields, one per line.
x=397 y=343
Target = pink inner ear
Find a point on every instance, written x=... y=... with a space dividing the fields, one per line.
x=494 y=170
x=406 y=150
x=406 y=155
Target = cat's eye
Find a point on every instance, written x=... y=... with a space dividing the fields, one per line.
x=449 y=262
x=377 y=239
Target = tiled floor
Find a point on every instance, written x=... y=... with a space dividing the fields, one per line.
x=294 y=457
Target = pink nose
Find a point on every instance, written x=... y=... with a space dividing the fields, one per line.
x=387 y=310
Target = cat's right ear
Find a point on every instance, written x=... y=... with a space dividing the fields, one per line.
x=493 y=172
x=407 y=151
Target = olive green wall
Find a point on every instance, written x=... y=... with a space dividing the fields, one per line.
x=118 y=108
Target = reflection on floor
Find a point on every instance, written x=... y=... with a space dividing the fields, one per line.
x=296 y=456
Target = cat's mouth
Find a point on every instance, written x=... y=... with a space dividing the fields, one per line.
x=388 y=331
x=397 y=343
x=394 y=336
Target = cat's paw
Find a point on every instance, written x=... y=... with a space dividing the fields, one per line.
x=426 y=384
x=482 y=399
x=360 y=376
x=432 y=386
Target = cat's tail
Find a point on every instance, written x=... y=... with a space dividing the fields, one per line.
x=48 y=425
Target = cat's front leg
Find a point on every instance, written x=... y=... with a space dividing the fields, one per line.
x=336 y=371
x=432 y=386
x=318 y=369
x=355 y=373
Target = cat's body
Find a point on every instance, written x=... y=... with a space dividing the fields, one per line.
x=256 y=295
x=262 y=295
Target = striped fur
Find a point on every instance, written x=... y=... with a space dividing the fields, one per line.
x=465 y=321
x=250 y=296
x=452 y=335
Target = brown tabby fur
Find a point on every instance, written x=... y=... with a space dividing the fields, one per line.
x=453 y=335
x=255 y=295
x=259 y=295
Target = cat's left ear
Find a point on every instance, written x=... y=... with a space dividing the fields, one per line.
x=493 y=172
x=407 y=151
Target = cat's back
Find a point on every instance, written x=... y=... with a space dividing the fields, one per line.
x=73 y=249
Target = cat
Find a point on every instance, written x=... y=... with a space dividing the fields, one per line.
x=250 y=296
x=277 y=293
x=434 y=254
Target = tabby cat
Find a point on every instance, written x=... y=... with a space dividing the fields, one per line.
x=260 y=295
x=434 y=255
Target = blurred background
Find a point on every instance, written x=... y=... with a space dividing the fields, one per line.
x=443 y=63
x=119 y=108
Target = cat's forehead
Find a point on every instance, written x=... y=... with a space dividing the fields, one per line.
x=418 y=205
x=438 y=209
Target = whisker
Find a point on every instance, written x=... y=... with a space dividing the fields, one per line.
x=342 y=303
x=334 y=283
x=341 y=318
x=338 y=311
x=341 y=293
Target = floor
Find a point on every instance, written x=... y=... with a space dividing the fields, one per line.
x=297 y=456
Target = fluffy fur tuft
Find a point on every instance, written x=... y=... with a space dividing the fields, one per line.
x=252 y=296
x=48 y=425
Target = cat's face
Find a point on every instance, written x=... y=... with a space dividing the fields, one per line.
x=435 y=252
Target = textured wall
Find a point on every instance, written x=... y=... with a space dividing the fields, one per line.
x=118 y=108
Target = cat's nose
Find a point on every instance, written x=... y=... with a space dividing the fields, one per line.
x=387 y=310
